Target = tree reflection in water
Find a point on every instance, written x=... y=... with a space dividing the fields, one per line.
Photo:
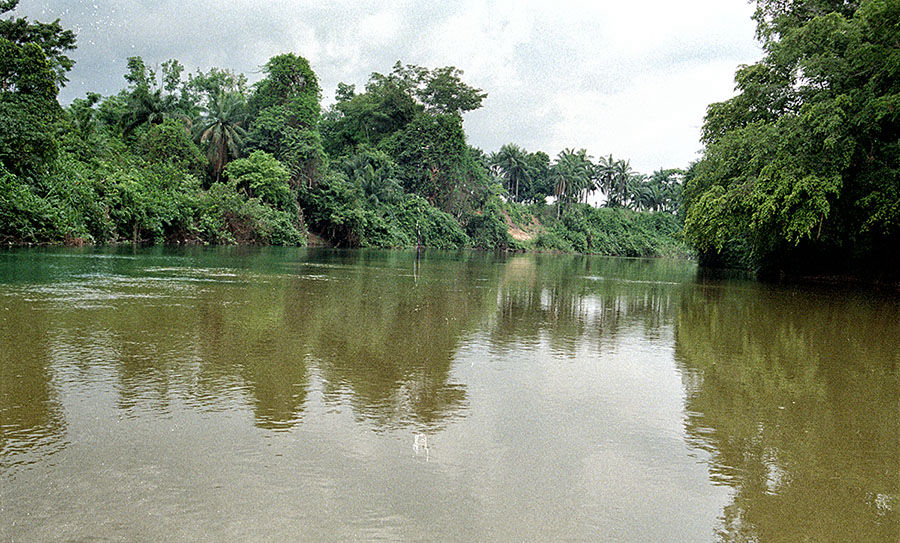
x=570 y=299
x=385 y=339
x=31 y=421
x=795 y=395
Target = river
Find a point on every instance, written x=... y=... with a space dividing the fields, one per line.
x=263 y=394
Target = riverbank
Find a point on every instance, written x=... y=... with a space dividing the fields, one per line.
x=581 y=229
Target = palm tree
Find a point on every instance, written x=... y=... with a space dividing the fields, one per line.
x=604 y=173
x=620 y=173
x=374 y=180
x=511 y=162
x=585 y=178
x=560 y=185
x=572 y=174
x=148 y=107
x=643 y=194
x=668 y=183
x=220 y=127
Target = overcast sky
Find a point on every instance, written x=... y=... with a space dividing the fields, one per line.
x=627 y=77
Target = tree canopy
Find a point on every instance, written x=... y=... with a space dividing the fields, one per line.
x=32 y=66
x=802 y=168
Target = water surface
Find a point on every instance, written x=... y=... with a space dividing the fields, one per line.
x=294 y=394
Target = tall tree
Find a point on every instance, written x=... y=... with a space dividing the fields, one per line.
x=434 y=161
x=666 y=187
x=616 y=174
x=572 y=174
x=512 y=163
x=604 y=173
x=801 y=168
x=32 y=66
x=150 y=102
x=285 y=107
x=220 y=128
x=540 y=186
x=367 y=118
x=441 y=91
x=391 y=101
x=53 y=40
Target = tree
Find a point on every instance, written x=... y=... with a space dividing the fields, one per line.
x=149 y=103
x=613 y=176
x=540 y=186
x=666 y=187
x=261 y=176
x=443 y=92
x=289 y=83
x=374 y=171
x=512 y=163
x=220 y=128
x=641 y=193
x=53 y=40
x=368 y=118
x=440 y=91
x=31 y=68
x=605 y=175
x=285 y=107
x=572 y=174
x=205 y=87
x=169 y=142
x=392 y=101
x=561 y=187
x=801 y=169
x=434 y=161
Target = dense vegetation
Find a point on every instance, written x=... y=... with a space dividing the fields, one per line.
x=801 y=172
x=209 y=158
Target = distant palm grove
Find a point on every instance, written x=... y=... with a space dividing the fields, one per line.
x=800 y=172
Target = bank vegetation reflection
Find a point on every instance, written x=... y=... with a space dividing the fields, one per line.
x=793 y=394
x=796 y=400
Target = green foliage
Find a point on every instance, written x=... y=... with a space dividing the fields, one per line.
x=53 y=40
x=220 y=129
x=339 y=209
x=434 y=162
x=290 y=83
x=204 y=87
x=440 y=91
x=154 y=203
x=801 y=170
x=374 y=171
x=24 y=216
x=28 y=104
x=286 y=109
x=390 y=102
x=540 y=185
x=226 y=215
x=443 y=92
x=147 y=102
x=83 y=117
x=27 y=141
x=512 y=164
x=261 y=176
x=367 y=118
x=572 y=176
x=614 y=232
x=399 y=174
x=416 y=218
x=170 y=143
x=487 y=229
